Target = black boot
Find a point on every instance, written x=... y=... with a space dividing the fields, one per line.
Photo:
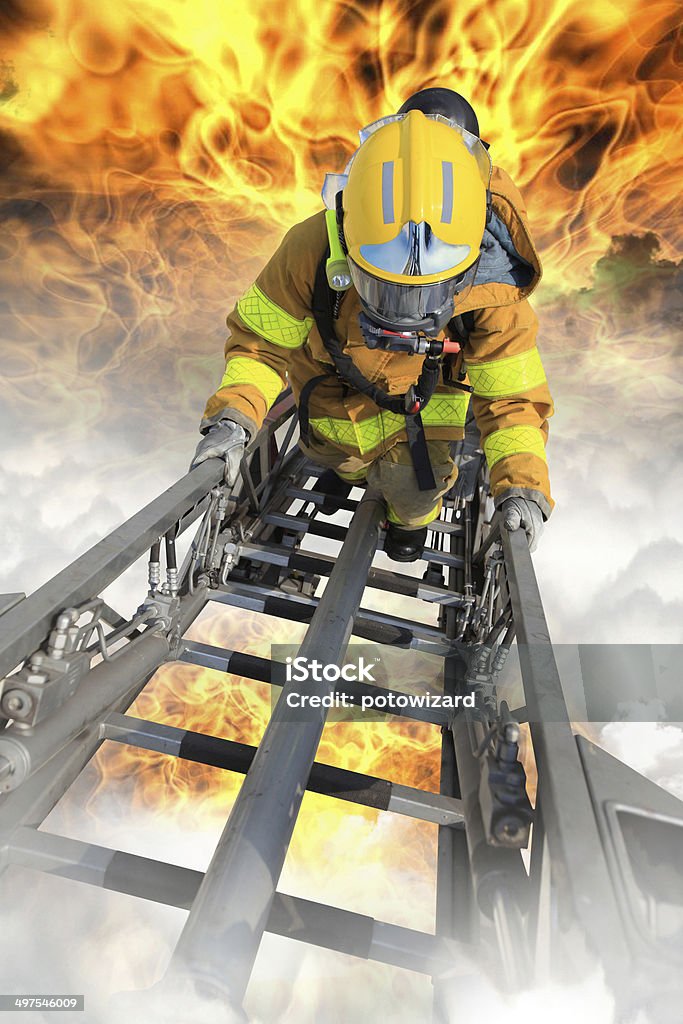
x=404 y=545
x=333 y=487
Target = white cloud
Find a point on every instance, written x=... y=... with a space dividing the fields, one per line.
x=654 y=749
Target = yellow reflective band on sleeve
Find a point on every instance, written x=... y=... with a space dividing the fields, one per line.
x=509 y=376
x=514 y=441
x=443 y=410
x=242 y=370
x=270 y=321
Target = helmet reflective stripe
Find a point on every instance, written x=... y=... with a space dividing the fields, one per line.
x=418 y=172
x=447 y=205
x=473 y=142
x=414 y=213
x=388 y=192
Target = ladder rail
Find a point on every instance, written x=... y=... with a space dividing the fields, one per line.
x=223 y=932
x=25 y=626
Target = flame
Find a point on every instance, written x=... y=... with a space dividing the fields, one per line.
x=197 y=799
x=154 y=152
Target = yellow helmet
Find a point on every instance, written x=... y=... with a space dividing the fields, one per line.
x=414 y=210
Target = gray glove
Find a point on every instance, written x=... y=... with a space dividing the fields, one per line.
x=224 y=440
x=523 y=512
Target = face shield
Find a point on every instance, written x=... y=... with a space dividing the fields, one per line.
x=411 y=307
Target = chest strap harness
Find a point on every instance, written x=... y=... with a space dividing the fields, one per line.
x=326 y=307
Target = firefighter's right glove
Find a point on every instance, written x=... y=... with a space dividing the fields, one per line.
x=224 y=440
x=525 y=513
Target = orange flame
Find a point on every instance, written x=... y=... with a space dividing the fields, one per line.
x=245 y=108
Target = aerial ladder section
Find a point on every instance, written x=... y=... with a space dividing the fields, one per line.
x=602 y=883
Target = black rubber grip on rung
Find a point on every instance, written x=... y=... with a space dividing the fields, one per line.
x=324 y=779
x=382 y=633
x=332 y=531
x=346 y=785
x=217 y=752
x=321 y=926
x=281 y=608
x=150 y=881
x=402 y=586
x=309 y=563
x=249 y=666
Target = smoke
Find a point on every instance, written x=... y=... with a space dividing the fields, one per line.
x=610 y=562
x=654 y=749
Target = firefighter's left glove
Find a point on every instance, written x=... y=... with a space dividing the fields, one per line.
x=525 y=513
x=224 y=440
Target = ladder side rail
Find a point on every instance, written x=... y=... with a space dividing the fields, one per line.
x=25 y=626
x=579 y=868
x=221 y=937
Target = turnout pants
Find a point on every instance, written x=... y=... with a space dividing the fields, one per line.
x=392 y=474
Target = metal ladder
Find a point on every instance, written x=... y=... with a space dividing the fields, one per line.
x=72 y=667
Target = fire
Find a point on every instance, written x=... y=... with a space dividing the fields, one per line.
x=243 y=109
x=197 y=799
x=153 y=154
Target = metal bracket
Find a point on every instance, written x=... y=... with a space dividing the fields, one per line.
x=231 y=556
x=50 y=676
x=41 y=686
x=505 y=807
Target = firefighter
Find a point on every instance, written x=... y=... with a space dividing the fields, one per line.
x=387 y=312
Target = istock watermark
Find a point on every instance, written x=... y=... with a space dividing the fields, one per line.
x=601 y=682
x=365 y=686
x=301 y=670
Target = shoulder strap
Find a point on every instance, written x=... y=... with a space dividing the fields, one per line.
x=343 y=363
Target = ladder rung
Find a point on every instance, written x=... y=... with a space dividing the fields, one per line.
x=302 y=524
x=324 y=779
x=348 y=505
x=380 y=579
x=290 y=916
x=251 y=667
x=373 y=626
x=318 y=498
